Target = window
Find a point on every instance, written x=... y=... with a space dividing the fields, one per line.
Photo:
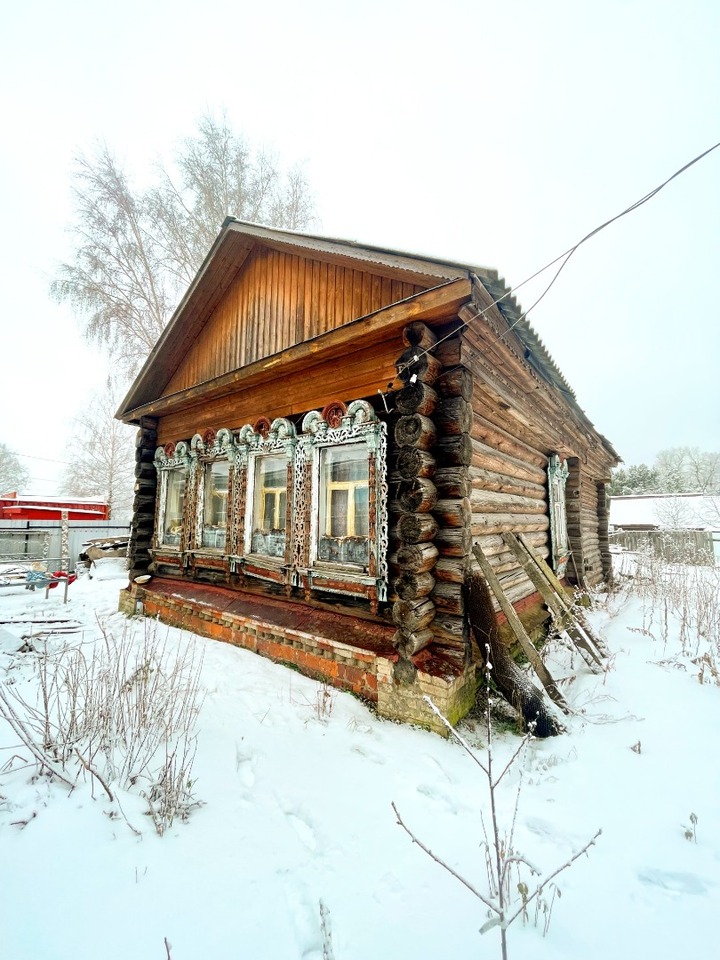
x=340 y=506
x=344 y=504
x=264 y=544
x=174 y=493
x=269 y=506
x=212 y=460
x=307 y=511
x=174 y=503
x=215 y=504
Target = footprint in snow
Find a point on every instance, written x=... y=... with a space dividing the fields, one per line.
x=304 y=831
x=368 y=754
x=541 y=828
x=675 y=881
x=245 y=766
x=304 y=913
x=438 y=768
x=439 y=796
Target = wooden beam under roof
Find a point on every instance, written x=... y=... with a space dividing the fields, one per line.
x=438 y=303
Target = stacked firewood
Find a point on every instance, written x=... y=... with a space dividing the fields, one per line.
x=415 y=528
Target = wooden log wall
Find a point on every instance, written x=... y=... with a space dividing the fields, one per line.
x=603 y=531
x=414 y=527
x=143 y=521
x=574 y=527
x=518 y=411
x=587 y=527
x=503 y=482
x=453 y=510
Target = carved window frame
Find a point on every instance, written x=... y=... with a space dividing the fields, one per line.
x=172 y=456
x=339 y=426
x=255 y=441
x=558 y=472
x=205 y=449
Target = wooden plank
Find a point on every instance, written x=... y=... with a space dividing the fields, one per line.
x=559 y=611
x=553 y=593
x=517 y=628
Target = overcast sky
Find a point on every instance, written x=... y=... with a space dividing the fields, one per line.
x=498 y=133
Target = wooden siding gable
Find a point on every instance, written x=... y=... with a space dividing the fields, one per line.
x=238 y=242
x=277 y=300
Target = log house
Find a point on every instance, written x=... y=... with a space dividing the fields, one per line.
x=324 y=429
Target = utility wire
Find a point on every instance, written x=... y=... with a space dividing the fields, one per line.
x=562 y=259
x=29 y=456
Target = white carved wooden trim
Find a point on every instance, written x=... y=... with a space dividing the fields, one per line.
x=357 y=425
x=278 y=439
x=173 y=456
x=558 y=472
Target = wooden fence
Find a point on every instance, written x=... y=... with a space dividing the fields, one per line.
x=675 y=546
x=27 y=540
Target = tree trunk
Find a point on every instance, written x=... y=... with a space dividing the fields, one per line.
x=453 y=541
x=417 y=557
x=509 y=679
x=454 y=416
x=455 y=451
x=452 y=482
x=411 y=643
x=457 y=382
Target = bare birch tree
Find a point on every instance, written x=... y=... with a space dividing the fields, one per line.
x=103 y=455
x=116 y=281
x=137 y=250
x=13 y=475
x=688 y=470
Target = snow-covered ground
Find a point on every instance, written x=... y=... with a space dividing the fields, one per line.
x=297 y=809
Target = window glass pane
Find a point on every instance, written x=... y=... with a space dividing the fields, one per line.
x=269 y=507
x=215 y=504
x=174 y=502
x=362 y=526
x=343 y=504
x=338 y=513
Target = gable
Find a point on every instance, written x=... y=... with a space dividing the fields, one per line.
x=279 y=299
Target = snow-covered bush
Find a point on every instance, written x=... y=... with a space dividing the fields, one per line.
x=123 y=713
x=682 y=602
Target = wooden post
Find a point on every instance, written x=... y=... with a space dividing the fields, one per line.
x=64 y=541
x=517 y=628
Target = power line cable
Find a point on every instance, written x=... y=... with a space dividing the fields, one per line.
x=564 y=257
x=30 y=456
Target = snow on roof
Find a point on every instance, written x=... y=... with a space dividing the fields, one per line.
x=80 y=506
x=683 y=511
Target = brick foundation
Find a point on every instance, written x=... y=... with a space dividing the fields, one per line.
x=403 y=699
x=365 y=667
